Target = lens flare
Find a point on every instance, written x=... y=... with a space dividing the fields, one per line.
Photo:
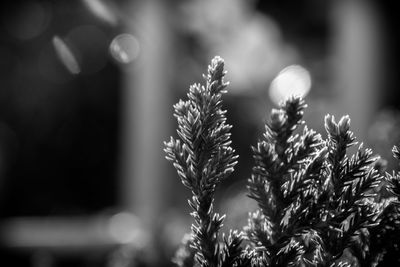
x=66 y=56
x=102 y=9
x=124 y=227
x=292 y=80
x=125 y=48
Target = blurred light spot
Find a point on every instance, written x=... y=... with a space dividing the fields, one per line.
x=124 y=228
x=292 y=80
x=28 y=21
x=90 y=46
x=66 y=56
x=101 y=10
x=125 y=48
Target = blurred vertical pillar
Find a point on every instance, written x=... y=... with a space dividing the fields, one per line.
x=145 y=106
x=357 y=51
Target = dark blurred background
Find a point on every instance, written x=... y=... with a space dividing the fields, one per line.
x=86 y=95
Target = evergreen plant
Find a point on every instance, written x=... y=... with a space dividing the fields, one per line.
x=318 y=204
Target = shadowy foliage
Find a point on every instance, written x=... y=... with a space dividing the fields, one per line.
x=318 y=204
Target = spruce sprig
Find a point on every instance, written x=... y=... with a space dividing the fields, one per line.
x=303 y=184
x=283 y=182
x=385 y=236
x=203 y=157
x=352 y=210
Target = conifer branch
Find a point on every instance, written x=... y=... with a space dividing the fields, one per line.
x=203 y=157
x=385 y=237
x=351 y=211
x=339 y=139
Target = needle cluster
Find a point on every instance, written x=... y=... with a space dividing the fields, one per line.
x=318 y=204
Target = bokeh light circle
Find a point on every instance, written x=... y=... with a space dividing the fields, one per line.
x=292 y=80
x=65 y=55
x=125 y=48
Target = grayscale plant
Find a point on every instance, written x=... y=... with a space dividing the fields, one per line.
x=318 y=205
